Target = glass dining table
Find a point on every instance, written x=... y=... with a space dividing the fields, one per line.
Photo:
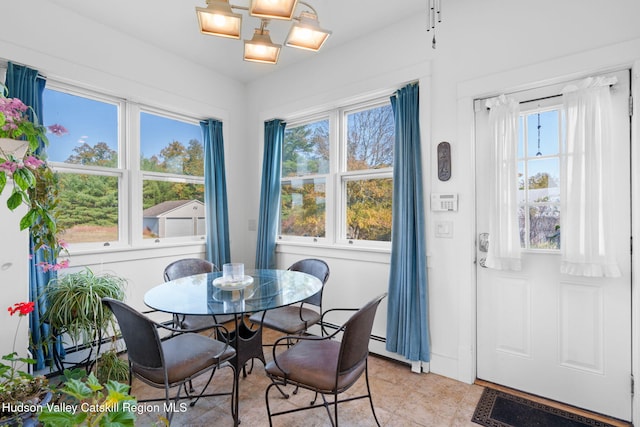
x=209 y=295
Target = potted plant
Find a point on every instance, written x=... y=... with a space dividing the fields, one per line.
x=20 y=392
x=110 y=366
x=74 y=305
x=83 y=400
x=34 y=183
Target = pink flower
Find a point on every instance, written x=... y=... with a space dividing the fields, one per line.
x=58 y=130
x=53 y=267
x=33 y=162
x=9 y=167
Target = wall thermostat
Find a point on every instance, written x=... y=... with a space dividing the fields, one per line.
x=441 y=202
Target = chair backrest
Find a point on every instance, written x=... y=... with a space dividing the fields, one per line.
x=188 y=267
x=317 y=268
x=354 y=347
x=139 y=333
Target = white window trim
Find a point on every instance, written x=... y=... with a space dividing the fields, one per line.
x=129 y=173
x=335 y=214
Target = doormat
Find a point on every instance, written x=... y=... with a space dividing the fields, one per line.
x=500 y=409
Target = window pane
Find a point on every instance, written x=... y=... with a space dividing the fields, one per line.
x=302 y=207
x=539 y=180
x=544 y=231
x=542 y=133
x=172 y=209
x=169 y=145
x=370 y=137
x=88 y=208
x=544 y=180
x=91 y=136
x=306 y=149
x=369 y=209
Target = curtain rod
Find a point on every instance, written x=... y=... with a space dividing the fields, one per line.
x=557 y=95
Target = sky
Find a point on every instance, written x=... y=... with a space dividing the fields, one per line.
x=91 y=121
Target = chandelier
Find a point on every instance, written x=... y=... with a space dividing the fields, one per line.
x=219 y=19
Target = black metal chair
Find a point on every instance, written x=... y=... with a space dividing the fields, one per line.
x=326 y=366
x=173 y=362
x=297 y=318
x=188 y=267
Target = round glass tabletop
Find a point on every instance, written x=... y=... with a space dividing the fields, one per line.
x=199 y=295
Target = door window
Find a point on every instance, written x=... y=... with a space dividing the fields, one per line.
x=539 y=178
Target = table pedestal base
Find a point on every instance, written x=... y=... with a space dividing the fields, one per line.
x=248 y=345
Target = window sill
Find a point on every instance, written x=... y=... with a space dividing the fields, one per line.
x=335 y=250
x=85 y=256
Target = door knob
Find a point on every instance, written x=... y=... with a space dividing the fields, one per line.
x=483 y=242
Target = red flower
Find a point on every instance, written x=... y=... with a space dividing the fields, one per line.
x=23 y=308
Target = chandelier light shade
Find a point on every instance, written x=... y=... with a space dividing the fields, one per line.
x=260 y=48
x=218 y=19
x=273 y=9
x=306 y=33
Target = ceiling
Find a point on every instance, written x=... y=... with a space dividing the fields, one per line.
x=172 y=25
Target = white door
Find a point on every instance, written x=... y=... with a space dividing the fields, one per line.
x=566 y=338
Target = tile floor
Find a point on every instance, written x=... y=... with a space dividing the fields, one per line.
x=401 y=398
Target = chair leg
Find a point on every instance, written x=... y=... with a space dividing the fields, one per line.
x=366 y=377
x=285 y=395
x=193 y=402
x=235 y=398
x=335 y=408
x=266 y=398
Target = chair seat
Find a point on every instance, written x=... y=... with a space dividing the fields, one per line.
x=199 y=322
x=314 y=363
x=201 y=354
x=289 y=319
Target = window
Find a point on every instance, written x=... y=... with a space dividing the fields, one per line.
x=337 y=176
x=539 y=178
x=305 y=167
x=87 y=160
x=367 y=177
x=172 y=165
x=165 y=184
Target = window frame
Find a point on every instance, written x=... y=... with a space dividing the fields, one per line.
x=339 y=176
x=120 y=171
x=329 y=216
x=528 y=108
x=137 y=236
x=129 y=173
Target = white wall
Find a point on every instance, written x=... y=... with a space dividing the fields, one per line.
x=483 y=48
x=70 y=48
x=14 y=279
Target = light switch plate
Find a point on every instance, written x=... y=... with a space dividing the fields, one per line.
x=444 y=229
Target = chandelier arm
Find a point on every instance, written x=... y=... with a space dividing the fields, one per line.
x=233 y=6
x=309 y=6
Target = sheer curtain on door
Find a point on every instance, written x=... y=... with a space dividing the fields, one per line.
x=504 y=227
x=586 y=184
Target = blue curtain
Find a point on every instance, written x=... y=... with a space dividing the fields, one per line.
x=25 y=83
x=215 y=196
x=407 y=317
x=270 y=194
